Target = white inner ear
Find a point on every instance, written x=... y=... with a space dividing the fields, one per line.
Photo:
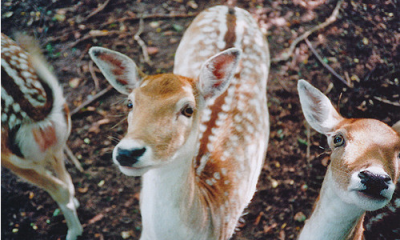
x=119 y=70
x=211 y=85
x=317 y=108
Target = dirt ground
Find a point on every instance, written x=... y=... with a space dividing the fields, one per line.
x=362 y=46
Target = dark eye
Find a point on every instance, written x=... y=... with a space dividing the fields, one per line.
x=338 y=141
x=129 y=104
x=187 y=111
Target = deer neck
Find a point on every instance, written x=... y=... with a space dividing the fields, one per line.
x=170 y=190
x=333 y=218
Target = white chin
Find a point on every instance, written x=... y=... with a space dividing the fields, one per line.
x=133 y=172
x=369 y=204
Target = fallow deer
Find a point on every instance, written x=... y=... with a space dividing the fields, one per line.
x=35 y=125
x=198 y=137
x=362 y=175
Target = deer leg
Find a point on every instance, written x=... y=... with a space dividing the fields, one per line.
x=62 y=174
x=59 y=191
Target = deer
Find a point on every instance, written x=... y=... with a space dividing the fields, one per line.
x=198 y=136
x=362 y=174
x=35 y=125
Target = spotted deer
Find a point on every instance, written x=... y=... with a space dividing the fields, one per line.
x=198 y=137
x=362 y=175
x=35 y=125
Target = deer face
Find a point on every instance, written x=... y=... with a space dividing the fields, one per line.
x=162 y=125
x=160 y=122
x=365 y=162
x=365 y=152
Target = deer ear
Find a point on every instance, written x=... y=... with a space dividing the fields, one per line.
x=317 y=108
x=217 y=72
x=119 y=70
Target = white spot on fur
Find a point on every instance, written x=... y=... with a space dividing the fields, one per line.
x=23 y=66
x=4 y=117
x=224 y=171
x=210 y=147
x=209 y=182
x=16 y=107
x=203 y=162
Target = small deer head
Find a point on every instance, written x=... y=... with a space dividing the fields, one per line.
x=365 y=158
x=163 y=121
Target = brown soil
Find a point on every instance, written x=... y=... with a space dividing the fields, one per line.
x=363 y=44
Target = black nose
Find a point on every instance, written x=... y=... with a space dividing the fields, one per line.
x=374 y=183
x=128 y=157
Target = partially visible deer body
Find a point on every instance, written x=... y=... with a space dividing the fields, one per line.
x=197 y=137
x=362 y=175
x=35 y=125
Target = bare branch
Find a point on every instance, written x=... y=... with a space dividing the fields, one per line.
x=99 y=9
x=93 y=74
x=141 y=42
x=72 y=157
x=93 y=99
x=387 y=101
x=150 y=17
x=326 y=65
x=286 y=54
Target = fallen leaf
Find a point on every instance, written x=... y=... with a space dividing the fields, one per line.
x=177 y=28
x=98 y=33
x=269 y=228
x=257 y=221
x=300 y=217
x=154 y=24
x=56 y=212
x=96 y=218
x=101 y=183
x=95 y=128
x=74 y=82
x=126 y=234
x=152 y=50
x=274 y=183
x=83 y=190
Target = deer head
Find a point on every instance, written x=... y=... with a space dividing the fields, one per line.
x=365 y=156
x=164 y=108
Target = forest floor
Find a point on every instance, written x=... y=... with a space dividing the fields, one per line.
x=362 y=46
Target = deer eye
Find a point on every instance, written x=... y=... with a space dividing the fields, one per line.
x=338 y=141
x=129 y=104
x=187 y=111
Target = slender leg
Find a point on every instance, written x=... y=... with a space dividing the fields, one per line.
x=62 y=174
x=59 y=191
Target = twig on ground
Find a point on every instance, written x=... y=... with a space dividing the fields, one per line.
x=72 y=157
x=92 y=34
x=326 y=65
x=286 y=54
x=387 y=101
x=93 y=74
x=308 y=153
x=99 y=9
x=149 y=17
x=347 y=77
x=89 y=101
x=141 y=43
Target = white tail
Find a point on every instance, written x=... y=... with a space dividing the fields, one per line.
x=363 y=172
x=197 y=137
x=35 y=125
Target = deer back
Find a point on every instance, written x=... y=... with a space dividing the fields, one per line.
x=234 y=127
